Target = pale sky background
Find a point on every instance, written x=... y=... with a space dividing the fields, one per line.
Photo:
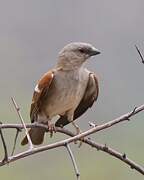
x=32 y=33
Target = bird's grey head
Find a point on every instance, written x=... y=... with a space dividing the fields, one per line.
x=75 y=54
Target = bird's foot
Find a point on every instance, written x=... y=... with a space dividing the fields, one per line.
x=78 y=131
x=51 y=128
x=81 y=139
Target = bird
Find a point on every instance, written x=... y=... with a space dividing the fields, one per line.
x=67 y=90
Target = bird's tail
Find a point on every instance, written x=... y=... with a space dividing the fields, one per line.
x=36 y=135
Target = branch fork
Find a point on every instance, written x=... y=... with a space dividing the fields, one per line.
x=23 y=123
x=65 y=143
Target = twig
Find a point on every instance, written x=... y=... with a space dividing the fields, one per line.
x=15 y=140
x=93 y=144
x=22 y=121
x=5 y=159
x=73 y=161
x=101 y=147
x=122 y=118
x=116 y=154
x=140 y=54
x=91 y=124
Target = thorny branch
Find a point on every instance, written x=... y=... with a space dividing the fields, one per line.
x=140 y=54
x=122 y=156
x=5 y=159
x=73 y=161
x=15 y=140
x=23 y=123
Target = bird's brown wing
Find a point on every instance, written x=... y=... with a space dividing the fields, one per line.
x=90 y=96
x=41 y=91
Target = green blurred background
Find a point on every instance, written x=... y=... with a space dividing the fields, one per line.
x=31 y=34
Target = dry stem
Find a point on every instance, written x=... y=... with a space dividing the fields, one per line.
x=94 y=129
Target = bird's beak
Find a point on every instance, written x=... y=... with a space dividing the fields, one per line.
x=94 y=52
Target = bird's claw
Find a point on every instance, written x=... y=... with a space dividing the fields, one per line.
x=78 y=131
x=51 y=128
x=80 y=140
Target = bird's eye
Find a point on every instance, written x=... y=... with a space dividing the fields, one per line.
x=81 y=51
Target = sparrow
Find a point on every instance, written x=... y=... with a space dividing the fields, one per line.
x=67 y=90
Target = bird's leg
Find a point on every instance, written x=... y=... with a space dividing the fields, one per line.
x=70 y=115
x=78 y=131
x=47 y=121
x=51 y=128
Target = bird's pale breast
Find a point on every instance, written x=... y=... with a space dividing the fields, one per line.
x=66 y=91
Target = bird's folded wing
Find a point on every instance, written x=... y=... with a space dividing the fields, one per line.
x=40 y=93
x=90 y=95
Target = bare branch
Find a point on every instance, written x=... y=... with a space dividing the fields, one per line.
x=91 y=124
x=15 y=140
x=140 y=54
x=5 y=159
x=22 y=121
x=73 y=161
x=88 y=141
x=81 y=136
x=116 y=154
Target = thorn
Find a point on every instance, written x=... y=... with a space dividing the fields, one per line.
x=131 y=114
x=133 y=110
x=124 y=156
x=105 y=147
x=91 y=124
x=65 y=144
